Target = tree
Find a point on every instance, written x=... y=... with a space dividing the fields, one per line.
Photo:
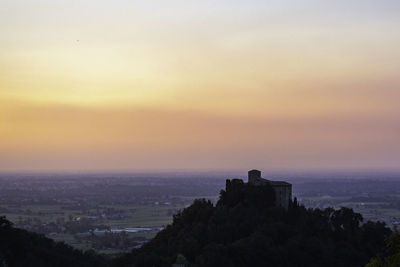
x=391 y=257
x=245 y=228
x=22 y=248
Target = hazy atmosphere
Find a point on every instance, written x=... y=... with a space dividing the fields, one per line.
x=214 y=133
x=89 y=85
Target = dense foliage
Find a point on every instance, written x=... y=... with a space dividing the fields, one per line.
x=245 y=229
x=391 y=255
x=22 y=248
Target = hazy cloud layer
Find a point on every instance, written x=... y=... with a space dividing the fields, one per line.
x=199 y=84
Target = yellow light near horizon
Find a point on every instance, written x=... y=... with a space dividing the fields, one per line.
x=151 y=79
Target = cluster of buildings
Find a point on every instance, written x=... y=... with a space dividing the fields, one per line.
x=283 y=190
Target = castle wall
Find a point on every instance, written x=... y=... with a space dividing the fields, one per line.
x=283 y=190
x=283 y=195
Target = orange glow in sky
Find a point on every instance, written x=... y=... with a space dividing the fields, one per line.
x=132 y=85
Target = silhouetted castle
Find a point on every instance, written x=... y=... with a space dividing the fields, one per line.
x=283 y=190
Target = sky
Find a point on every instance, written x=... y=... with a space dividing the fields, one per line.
x=183 y=84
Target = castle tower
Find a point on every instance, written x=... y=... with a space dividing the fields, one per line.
x=254 y=176
x=283 y=190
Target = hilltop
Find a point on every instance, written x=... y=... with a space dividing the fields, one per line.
x=26 y=249
x=246 y=228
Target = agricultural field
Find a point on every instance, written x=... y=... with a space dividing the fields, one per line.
x=113 y=213
x=108 y=214
x=57 y=222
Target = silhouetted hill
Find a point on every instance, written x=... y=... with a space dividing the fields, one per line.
x=245 y=229
x=20 y=248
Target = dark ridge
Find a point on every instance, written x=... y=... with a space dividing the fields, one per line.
x=245 y=228
x=20 y=248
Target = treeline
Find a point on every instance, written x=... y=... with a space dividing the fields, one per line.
x=245 y=228
x=20 y=248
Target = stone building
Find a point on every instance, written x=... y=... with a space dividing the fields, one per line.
x=283 y=190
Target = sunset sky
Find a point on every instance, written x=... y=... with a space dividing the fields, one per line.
x=157 y=85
